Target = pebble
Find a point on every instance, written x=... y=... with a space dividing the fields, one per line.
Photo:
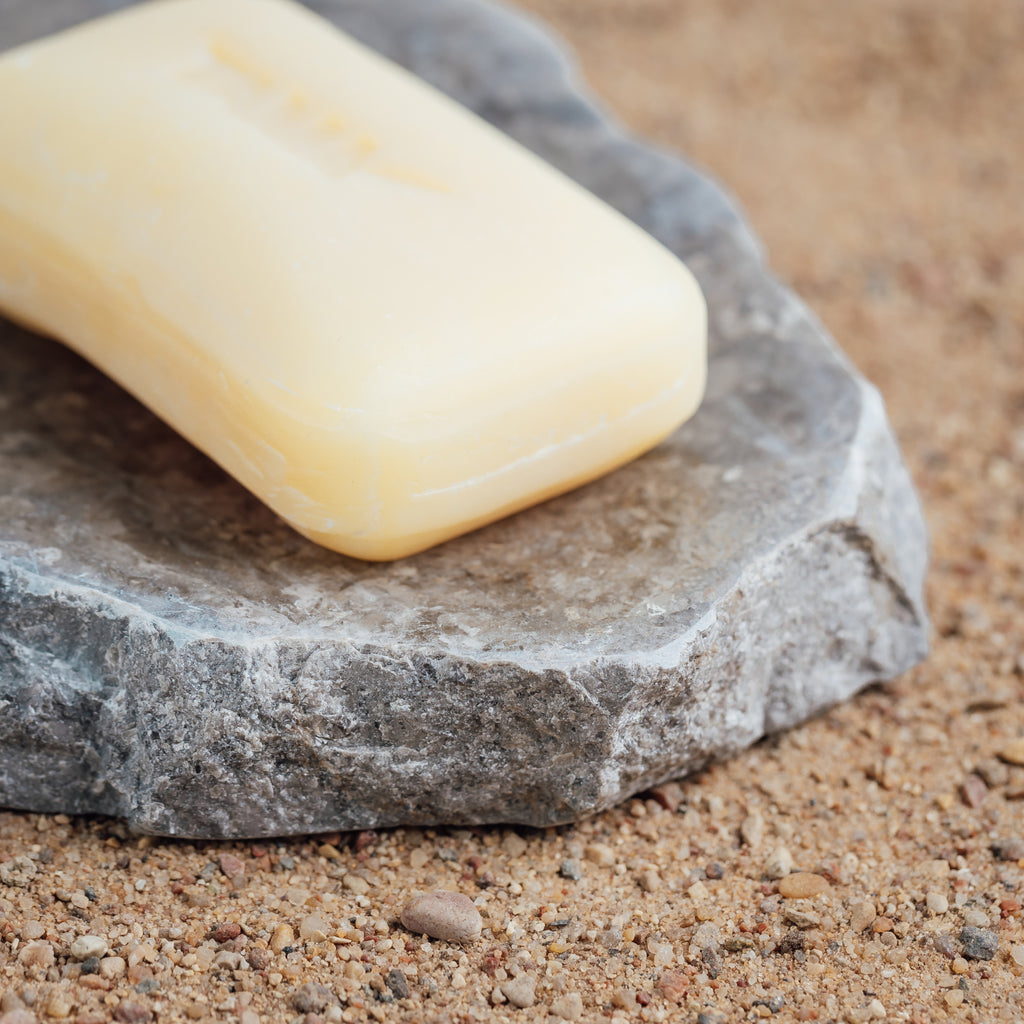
x=85 y=947
x=521 y=992
x=994 y=772
x=226 y=930
x=752 y=830
x=36 y=954
x=936 y=903
x=946 y=945
x=449 y=916
x=398 y=984
x=259 y=959
x=357 y=884
x=1013 y=752
x=600 y=854
x=712 y=961
x=862 y=915
x=669 y=795
x=232 y=867
x=698 y=891
x=705 y=936
x=312 y=998
x=570 y=869
x=649 y=880
x=673 y=986
x=112 y=967
x=228 y=961
x=801 y=919
x=625 y=998
x=568 y=1007
x=979 y=943
x=778 y=863
x=313 y=928
x=32 y=930
x=18 y=1016
x=283 y=936
x=17 y=872
x=661 y=952
x=802 y=885
x=513 y=845
x=58 y=1005
x=973 y=790
x=1009 y=849
x=976 y=918
x=132 y=1013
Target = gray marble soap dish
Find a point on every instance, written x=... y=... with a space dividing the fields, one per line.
x=172 y=654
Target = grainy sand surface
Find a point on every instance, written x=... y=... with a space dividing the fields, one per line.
x=877 y=148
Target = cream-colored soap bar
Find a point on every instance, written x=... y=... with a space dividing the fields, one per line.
x=385 y=319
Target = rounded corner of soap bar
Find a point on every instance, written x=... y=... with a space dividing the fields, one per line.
x=404 y=326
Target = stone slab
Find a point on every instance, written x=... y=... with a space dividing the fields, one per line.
x=172 y=654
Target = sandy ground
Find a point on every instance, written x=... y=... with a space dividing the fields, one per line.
x=877 y=148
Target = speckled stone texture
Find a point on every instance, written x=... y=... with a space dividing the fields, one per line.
x=173 y=654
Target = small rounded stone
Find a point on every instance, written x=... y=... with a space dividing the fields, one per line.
x=85 y=947
x=521 y=992
x=862 y=915
x=979 y=943
x=226 y=930
x=568 y=1007
x=18 y=1016
x=283 y=936
x=449 y=916
x=36 y=954
x=600 y=854
x=112 y=967
x=313 y=928
x=1013 y=752
x=802 y=885
x=58 y=1005
x=778 y=863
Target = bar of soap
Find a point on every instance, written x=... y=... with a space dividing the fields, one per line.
x=388 y=321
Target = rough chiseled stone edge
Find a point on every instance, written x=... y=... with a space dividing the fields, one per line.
x=714 y=690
